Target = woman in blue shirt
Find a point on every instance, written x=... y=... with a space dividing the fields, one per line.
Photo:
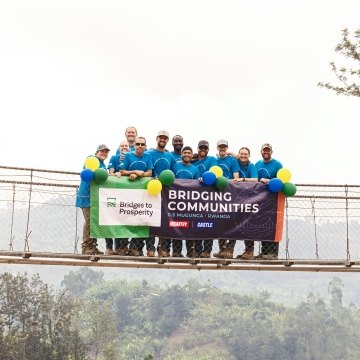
x=89 y=245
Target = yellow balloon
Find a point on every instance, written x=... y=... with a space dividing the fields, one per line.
x=217 y=170
x=154 y=186
x=284 y=175
x=92 y=163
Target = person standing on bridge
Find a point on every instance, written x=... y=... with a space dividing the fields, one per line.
x=184 y=169
x=204 y=162
x=267 y=169
x=89 y=245
x=248 y=172
x=162 y=160
x=230 y=168
x=136 y=165
x=121 y=244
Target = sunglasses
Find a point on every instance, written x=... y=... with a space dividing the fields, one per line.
x=140 y=144
x=203 y=147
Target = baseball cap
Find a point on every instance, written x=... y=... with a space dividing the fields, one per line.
x=102 y=147
x=203 y=143
x=163 y=133
x=222 y=142
x=266 y=145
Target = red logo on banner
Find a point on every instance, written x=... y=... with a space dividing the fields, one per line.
x=179 y=224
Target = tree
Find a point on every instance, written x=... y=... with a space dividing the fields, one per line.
x=347 y=75
x=98 y=325
x=35 y=323
x=77 y=282
x=334 y=289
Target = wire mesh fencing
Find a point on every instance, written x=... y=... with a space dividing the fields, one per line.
x=38 y=214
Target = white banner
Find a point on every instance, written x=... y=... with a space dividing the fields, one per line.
x=129 y=207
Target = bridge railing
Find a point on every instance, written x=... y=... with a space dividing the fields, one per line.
x=37 y=214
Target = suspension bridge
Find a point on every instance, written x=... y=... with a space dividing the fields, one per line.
x=40 y=225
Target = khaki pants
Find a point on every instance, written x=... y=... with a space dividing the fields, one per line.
x=87 y=240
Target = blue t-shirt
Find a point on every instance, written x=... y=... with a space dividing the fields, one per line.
x=183 y=171
x=162 y=160
x=268 y=170
x=175 y=155
x=83 y=193
x=134 y=162
x=229 y=166
x=205 y=164
x=248 y=171
x=115 y=163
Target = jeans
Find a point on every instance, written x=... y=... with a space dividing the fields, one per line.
x=207 y=245
x=119 y=242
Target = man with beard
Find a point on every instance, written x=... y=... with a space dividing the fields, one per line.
x=204 y=162
x=184 y=169
x=267 y=169
x=162 y=160
x=177 y=143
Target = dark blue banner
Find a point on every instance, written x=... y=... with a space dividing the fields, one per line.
x=242 y=211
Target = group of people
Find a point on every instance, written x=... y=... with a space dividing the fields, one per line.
x=134 y=160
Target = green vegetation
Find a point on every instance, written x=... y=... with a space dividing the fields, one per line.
x=347 y=75
x=122 y=319
x=35 y=322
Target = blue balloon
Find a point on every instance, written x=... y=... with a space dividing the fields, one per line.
x=275 y=185
x=87 y=175
x=208 y=178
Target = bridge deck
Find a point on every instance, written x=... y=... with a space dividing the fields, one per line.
x=38 y=258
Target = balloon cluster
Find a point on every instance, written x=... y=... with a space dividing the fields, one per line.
x=282 y=183
x=215 y=176
x=166 y=177
x=93 y=171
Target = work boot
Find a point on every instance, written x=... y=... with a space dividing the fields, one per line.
x=205 y=254
x=89 y=247
x=133 y=252
x=86 y=246
x=163 y=253
x=96 y=251
x=246 y=255
x=220 y=254
x=222 y=249
x=92 y=251
x=150 y=253
x=109 y=252
x=122 y=251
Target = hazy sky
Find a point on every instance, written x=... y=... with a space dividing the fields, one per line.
x=76 y=73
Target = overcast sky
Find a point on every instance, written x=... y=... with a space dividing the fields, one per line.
x=76 y=73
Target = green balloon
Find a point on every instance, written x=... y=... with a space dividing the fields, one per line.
x=289 y=189
x=167 y=177
x=100 y=175
x=221 y=182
